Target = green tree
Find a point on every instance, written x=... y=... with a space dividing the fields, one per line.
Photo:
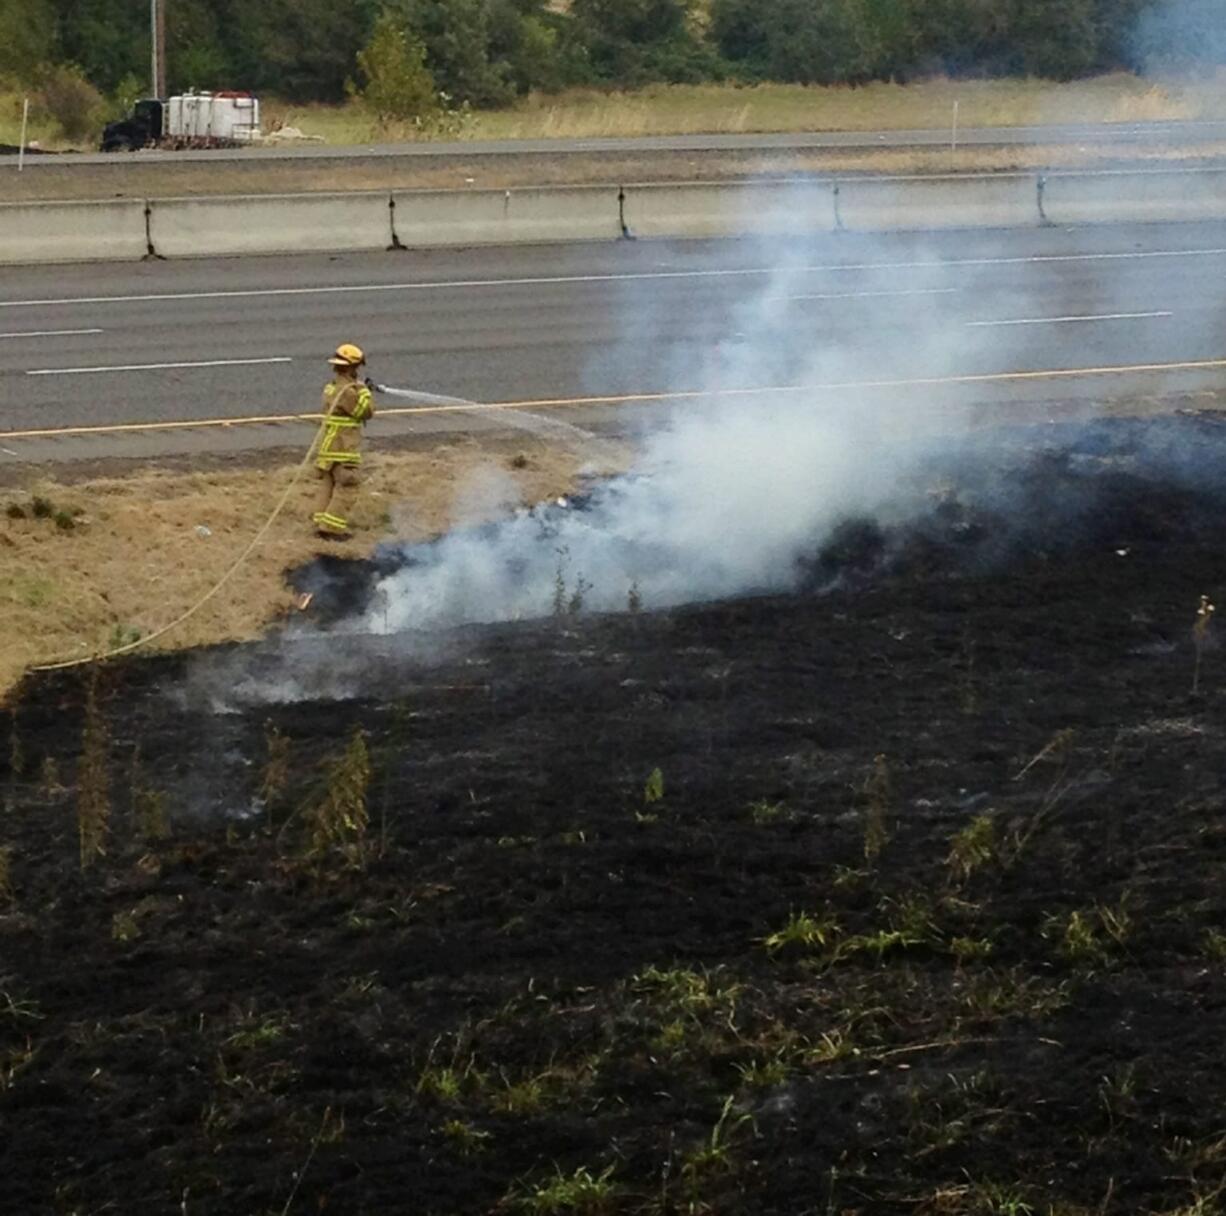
x=27 y=38
x=396 y=85
x=456 y=34
x=72 y=101
x=196 y=57
x=107 y=39
x=629 y=42
x=1056 y=38
x=805 y=41
x=302 y=50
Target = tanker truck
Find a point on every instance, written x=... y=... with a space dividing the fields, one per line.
x=190 y=120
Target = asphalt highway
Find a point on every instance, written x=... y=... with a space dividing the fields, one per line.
x=1147 y=133
x=220 y=355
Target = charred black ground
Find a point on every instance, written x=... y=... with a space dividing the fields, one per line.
x=901 y=897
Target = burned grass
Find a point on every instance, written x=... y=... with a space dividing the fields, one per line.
x=904 y=897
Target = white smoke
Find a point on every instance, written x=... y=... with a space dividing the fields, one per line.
x=727 y=494
x=1181 y=34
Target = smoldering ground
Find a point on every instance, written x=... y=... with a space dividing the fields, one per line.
x=736 y=493
x=794 y=440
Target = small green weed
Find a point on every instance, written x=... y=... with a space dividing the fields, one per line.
x=803 y=931
x=765 y=1074
x=972 y=848
x=971 y=949
x=581 y=1193
x=833 y=1045
x=338 y=821
x=991 y=995
x=715 y=1155
x=465 y=1138
x=762 y=813
x=124 y=927
x=653 y=791
x=1089 y=936
x=878 y=794
x=450 y=1082
x=1214 y=944
x=259 y=1031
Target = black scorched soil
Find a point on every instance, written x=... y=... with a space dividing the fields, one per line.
x=901 y=897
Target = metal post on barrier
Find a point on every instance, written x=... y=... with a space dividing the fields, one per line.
x=1044 y=222
x=395 y=246
x=627 y=235
x=151 y=253
x=838 y=214
x=21 y=148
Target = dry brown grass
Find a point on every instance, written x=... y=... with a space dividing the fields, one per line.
x=134 y=560
x=153 y=180
x=735 y=109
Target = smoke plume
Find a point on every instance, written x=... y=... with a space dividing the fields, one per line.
x=731 y=490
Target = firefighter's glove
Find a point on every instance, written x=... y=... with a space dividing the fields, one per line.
x=370 y=384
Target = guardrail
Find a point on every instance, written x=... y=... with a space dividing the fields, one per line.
x=409 y=219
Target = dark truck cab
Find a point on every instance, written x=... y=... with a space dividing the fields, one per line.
x=141 y=129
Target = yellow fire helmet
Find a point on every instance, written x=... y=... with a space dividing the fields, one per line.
x=348 y=355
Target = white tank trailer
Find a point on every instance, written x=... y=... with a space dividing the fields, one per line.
x=188 y=120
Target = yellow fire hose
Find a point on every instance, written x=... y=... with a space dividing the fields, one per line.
x=221 y=582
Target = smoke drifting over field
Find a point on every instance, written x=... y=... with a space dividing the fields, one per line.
x=734 y=494
x=1174 y=34
x=727 y=494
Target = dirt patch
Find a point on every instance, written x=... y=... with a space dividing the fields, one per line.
x=902 y=897
x=87 y=564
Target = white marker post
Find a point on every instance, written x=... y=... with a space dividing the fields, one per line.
x=953 y=137
x=21 y=147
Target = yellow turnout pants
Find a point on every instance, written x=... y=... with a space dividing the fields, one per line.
x=338 y=486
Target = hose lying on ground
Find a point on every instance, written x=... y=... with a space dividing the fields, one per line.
x=64 y=664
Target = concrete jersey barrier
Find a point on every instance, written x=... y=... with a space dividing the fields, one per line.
x=425 y=219
x=796 y=208
x=1134 y=197
x=303 y=223
x=72 y=232
x=1007 y=200
x=270 y=223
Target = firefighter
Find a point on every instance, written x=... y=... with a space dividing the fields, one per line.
x=347 y=407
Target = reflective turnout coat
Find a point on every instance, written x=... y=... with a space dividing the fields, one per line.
x=347 y=404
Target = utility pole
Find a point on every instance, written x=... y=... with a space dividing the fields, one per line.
x=157 y=36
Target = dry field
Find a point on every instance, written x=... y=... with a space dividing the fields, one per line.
x=88 y=565
x=733 y=109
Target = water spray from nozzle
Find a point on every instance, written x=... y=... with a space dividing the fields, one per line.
x=510 y=413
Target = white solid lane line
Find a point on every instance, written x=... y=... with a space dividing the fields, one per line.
x=870 y=295
x=51 y=333
x=630 y=276
x=153 y=367
x=1106 y=316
